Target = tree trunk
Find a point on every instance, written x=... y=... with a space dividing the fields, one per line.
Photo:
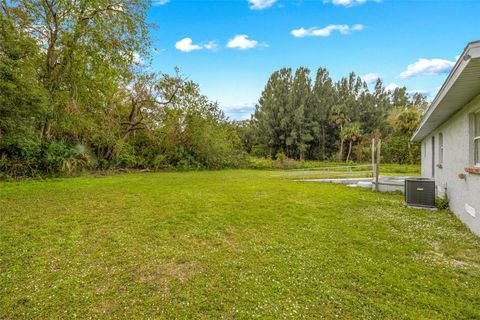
x=109 y=153
x=409 y=146
x=340 y=153
x=323 y=141
x=349 y=151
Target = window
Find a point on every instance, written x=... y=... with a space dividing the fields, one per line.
x=440 y=148
x=433 y=156
x=476 y=139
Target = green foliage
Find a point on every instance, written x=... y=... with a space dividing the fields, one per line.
x=160 y=162
x=258 y=151
x=22 y=101
x=442 y=203
x=399 y=149
x=327 y=120
x=58 y=157
x=77 y=98
x=124 y=156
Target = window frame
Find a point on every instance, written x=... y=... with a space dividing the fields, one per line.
x=476 y=146
x=476 y=139
x=440 y=148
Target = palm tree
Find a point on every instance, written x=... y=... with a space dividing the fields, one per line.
x=351 y=133
x=405 y=122
x=339 y=116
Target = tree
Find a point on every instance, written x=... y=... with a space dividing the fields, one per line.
x=315 y=122
x=194 y=132
x=272 y=119
x=339 y=118
x=405 y=123
x=323 y=100
x=22 y=98
x=300 y=107
x=88 y=49
x=76 y=94
x=351 y=133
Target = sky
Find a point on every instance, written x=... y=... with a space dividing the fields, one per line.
x=231 y=47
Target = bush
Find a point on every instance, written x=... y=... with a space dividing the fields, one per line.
x=188 y=164
x=442 y=203
x=124 y=156
x=395 y=149
x=258 y=151
x=20 y=156
x=160 y=162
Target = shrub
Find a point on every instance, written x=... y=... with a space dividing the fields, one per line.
x=160 y=162
x=258 y=151
x=442 y=203
x=280 y=156
x=124 y=155
x=60 y=158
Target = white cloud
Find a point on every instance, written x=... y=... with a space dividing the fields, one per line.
x=240 y=111
x=370 y=78
x=428 y=94
x=391 y=87
x=186 y=45
x=241 y=42
x=427 y=67
x=420 y=91
x=261 y=4
x=160 y=2
x=211 y=45
x=327 y=31
x=348 y=3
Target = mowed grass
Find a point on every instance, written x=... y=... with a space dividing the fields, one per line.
x=228 y=244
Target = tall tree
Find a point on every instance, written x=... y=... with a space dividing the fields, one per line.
x=301 y=108
x=323 y=100
x=22 y=98
x=88 y=49
x=320 y=120
x=351 y=133
x=272 y=118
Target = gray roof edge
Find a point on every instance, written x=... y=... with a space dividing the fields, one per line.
x=471 y=51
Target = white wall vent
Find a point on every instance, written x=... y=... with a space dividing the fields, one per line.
x=470 y=210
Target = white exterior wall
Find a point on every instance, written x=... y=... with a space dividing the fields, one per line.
x=464 y=194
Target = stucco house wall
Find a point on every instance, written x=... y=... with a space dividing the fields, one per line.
x=464 y=194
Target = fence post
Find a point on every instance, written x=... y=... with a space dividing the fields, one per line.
x=377 y=166
x=373 y=158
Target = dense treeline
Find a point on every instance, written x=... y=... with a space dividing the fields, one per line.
x=75 y=95
x=326 y=120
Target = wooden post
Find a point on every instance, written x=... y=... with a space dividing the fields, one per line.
x=373 y=158
x=377 y=166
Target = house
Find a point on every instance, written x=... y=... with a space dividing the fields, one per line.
x=450 y=137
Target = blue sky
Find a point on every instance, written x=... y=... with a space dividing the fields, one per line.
x=231 y=47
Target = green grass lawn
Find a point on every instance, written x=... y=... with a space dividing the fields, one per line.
x=228 y=244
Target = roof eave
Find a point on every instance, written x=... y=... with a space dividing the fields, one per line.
x=472 y=50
